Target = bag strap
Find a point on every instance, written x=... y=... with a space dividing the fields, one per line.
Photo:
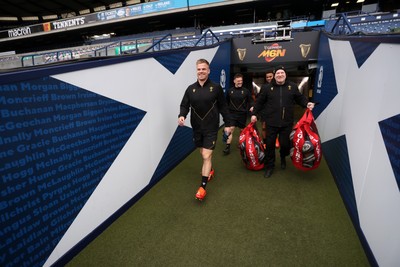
x=309 y=115
x=305 y=119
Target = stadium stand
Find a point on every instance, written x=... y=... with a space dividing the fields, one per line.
x=360 y=22
x=367 y=23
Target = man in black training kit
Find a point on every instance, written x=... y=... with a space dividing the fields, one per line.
x=276 y=102
x=240 y=102
x=205 y=100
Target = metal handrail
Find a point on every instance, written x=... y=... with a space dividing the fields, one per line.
x=159 y=42
x=342 y=17
x=156 y=43
x=45 y=53
x=120 y=45
x=204 y=35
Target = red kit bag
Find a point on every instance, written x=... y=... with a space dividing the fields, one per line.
x=306 y=153
x=251 y=148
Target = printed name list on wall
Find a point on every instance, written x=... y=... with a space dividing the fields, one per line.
x=56 y=143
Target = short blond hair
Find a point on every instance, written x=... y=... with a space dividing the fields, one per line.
x=201 y=61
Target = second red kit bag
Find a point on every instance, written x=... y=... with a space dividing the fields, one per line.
x=306 y=153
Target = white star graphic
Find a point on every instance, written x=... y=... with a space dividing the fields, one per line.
x=144 y=84
x=355 y=112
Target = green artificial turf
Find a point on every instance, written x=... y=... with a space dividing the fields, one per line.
x=294 y=218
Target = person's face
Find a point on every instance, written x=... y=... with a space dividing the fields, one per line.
x=280 y=76
x=203 y=70
x=238 y=81
x=269 y=76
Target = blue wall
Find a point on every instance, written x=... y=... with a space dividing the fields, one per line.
x=81 y=141
x=357 y=86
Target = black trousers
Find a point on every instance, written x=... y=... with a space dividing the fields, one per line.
x=284 y=142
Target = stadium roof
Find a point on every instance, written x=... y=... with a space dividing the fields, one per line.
x=25 y=10
x=15 y=13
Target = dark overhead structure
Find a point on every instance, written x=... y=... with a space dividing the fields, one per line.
x=43 y=8
x=22 y=12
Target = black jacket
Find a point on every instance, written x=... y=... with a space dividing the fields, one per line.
x=205 y=104
x=275 y=104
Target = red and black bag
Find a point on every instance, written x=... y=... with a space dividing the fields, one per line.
x=306 y=153
x=251 y=148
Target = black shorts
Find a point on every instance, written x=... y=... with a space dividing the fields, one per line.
x=239 y=120
x=205 y=139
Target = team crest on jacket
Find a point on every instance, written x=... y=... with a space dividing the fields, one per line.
x=272 y=88
x=211 y=89
x=290 y=87
x=242 y=92
x=194 y=90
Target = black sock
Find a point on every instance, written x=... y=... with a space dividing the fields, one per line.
x=204 y=180
x=228 y=145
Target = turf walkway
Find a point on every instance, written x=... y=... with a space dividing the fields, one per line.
x=294 y=218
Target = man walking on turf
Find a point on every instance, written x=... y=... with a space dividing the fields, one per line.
x=239 y=102
x=205 y=100
x=277 y=101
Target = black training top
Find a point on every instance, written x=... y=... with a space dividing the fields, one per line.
x=205 y=103
x=276 y=102
x=239 y=100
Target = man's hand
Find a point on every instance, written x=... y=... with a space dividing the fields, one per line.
x=310 y=105
x=253 y=118
x=181 y=121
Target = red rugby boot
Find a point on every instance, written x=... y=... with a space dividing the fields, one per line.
x=201 y=193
